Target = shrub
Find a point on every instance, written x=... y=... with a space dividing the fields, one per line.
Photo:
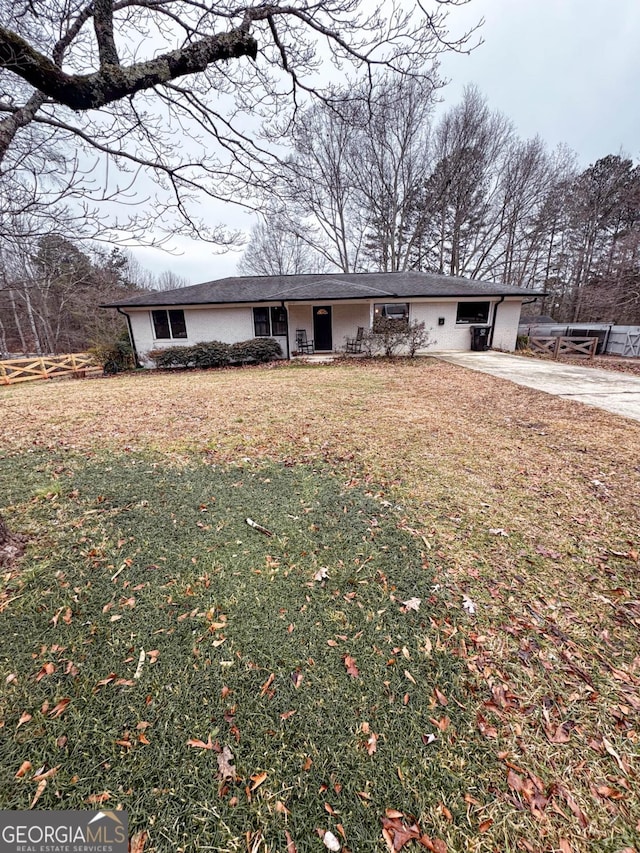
x=216 y=353
x=210 y=354
x=257 y=349
x=522 y=342
x=116 y=355
x=389 y=336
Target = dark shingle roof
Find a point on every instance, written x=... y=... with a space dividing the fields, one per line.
x=328 y=286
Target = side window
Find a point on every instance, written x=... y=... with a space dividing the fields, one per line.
x=278 y=321
x=177 y=323
x=473 y=312
x=169 y=324
x=396 y=311
x=261 y=322
x=161 y=324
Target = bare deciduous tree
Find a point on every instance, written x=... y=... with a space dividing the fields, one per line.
x=178 y=90
x=275 y=248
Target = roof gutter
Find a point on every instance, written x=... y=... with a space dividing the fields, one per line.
x=131 y=338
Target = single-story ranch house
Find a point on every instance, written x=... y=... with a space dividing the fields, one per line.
x=329 y=308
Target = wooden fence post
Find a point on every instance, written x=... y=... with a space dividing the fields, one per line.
x=556 y=348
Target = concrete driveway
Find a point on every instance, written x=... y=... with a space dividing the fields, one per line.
x=605 y=389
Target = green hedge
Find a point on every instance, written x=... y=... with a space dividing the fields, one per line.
x=217 y=353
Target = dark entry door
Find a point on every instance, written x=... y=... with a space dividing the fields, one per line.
x=322 y=327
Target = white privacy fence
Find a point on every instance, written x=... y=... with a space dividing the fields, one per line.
x=612 y=340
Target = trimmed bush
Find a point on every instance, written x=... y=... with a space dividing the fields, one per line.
x=210 y=354
x=217 y=354
x=257 y=349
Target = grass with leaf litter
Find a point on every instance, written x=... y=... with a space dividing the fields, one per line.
x=436 y=648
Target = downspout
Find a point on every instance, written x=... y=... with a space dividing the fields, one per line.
x=493 y=324
x=131 y=338
x=286 y=310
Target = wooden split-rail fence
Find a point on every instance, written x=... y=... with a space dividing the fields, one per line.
x=558 y=345
x=78 y=365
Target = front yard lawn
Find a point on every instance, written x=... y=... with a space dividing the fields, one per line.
x=437 y=647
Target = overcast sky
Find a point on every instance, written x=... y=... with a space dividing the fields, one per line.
x=566 y=70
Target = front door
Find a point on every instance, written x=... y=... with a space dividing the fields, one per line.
x=322 y=337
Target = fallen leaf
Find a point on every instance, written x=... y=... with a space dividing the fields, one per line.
x=39 y=791
x=614 y=755
x=257 y=779
x=60 y=708
x=47 y=669
x=24 y=718
x=442 y=699
x=138 y=841
x=350 y=665
x=322 y=574
x=24 y=768
x=561 y=735
x=265 y=687
x=609 y=793
x=291 y=847
x=200 y=744
x=297 y=678
x=98 y=799
x=226 y=768
x=485 y=825
x=372 y=743
x=287 y=715
x=413 y=604
x=46 y=774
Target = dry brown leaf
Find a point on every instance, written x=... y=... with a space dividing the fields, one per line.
x=291 y=847
x=562 y=734
x=257 y=779
x=24 y=768
x=24 y=718
x=47 y=669
x=137 y=842
x=200 y=744
x=98 y=799
x=39 y=792
x=441 y=698
x=265 y=687
x=60 y=708
x=350 y=665
x=226 y=768
x=372 y=743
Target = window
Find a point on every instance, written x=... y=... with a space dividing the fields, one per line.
x=169 y=324
x=391 y=311
x=278 y=321
x=473 y=312
x=269 y=321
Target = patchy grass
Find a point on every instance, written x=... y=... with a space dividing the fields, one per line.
x=406 y=480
